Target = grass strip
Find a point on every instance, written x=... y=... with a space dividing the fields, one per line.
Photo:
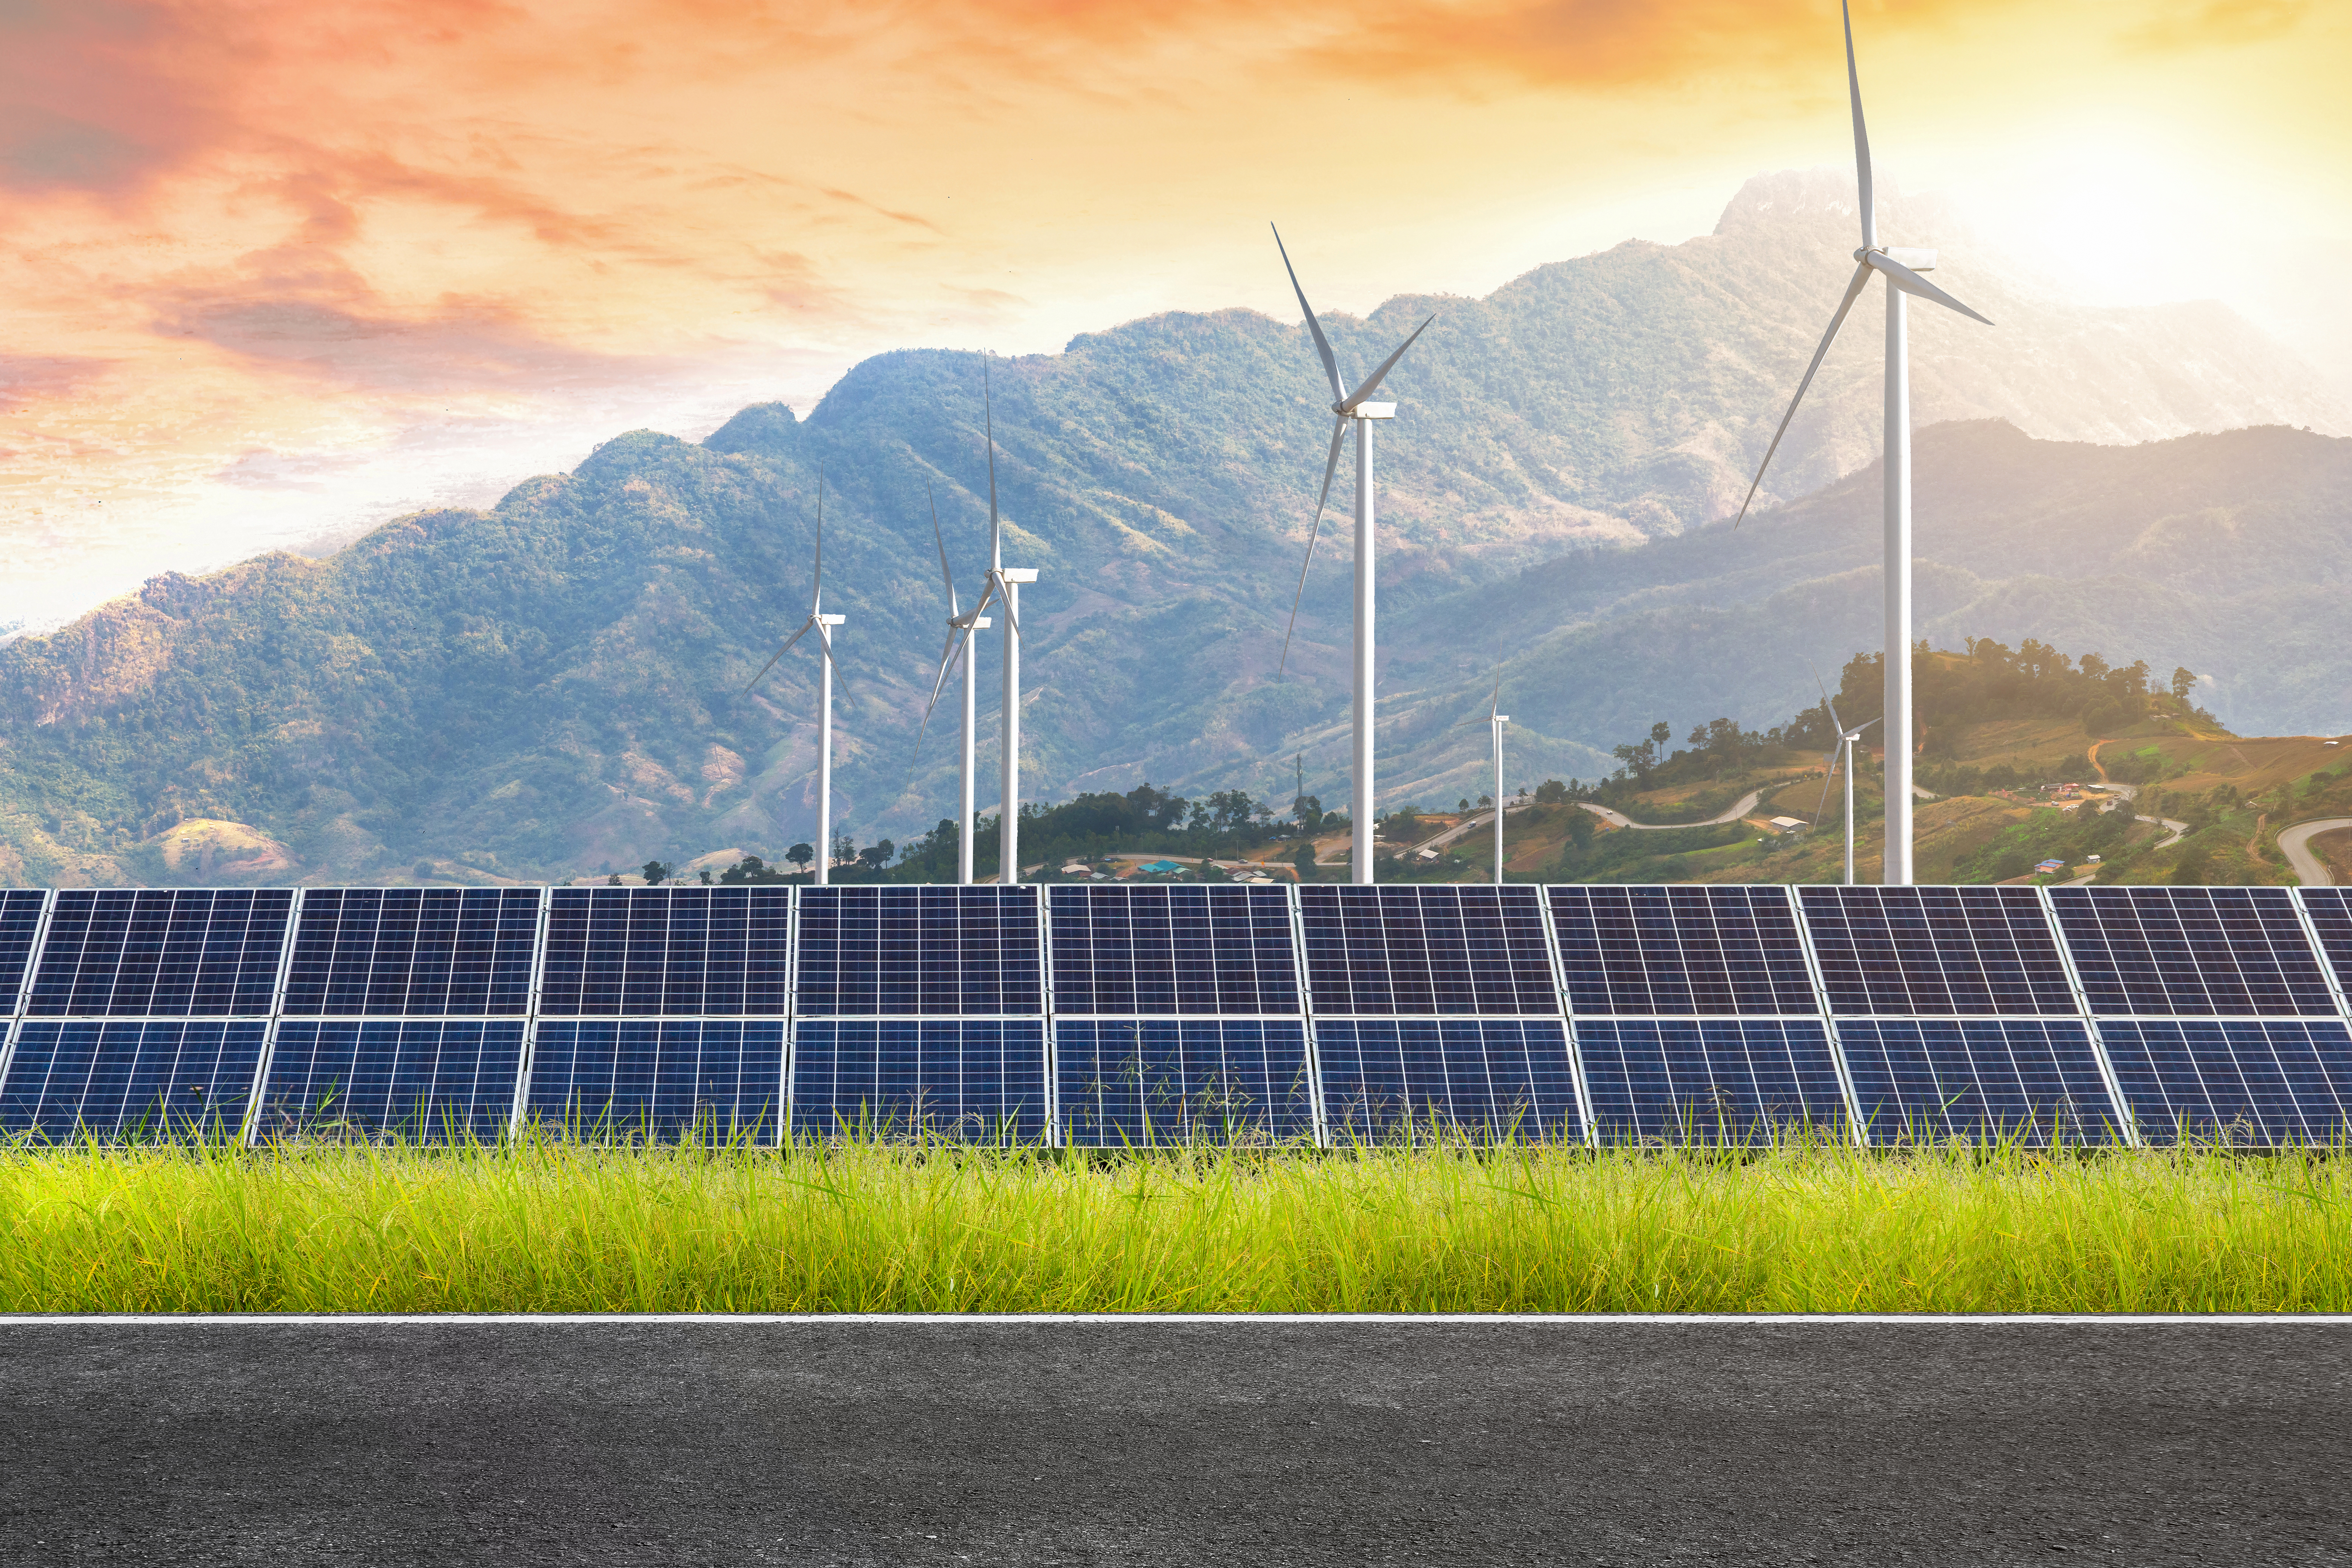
x=558 y=1227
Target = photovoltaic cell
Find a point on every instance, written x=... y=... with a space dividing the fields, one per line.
x=430 y=1082
x=1709 y=1081
x=1173 y=950
x=1642 y=950
x=1132 y=1082
x=979 y=1081
x=1397 y=952
x=126 y=953
x=1494 y=1079
x=430 y=950
x=653 y=951
x=2331 y=915
x=2260 y=1084
x=70 y=1080
x=659 y=1080
x=2192 y=951
x=1925 y=950
x=1924 y=1080
x=20 y=918
x=873 y=950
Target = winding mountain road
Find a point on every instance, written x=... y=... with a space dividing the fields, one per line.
x=1745 y=804
x=2295 y=844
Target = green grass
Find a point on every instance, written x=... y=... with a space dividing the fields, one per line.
x=555 y=1228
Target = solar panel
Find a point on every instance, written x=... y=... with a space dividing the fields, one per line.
x=70 y=1079
x=1689 y=950
x=1175 y=949
x=20 y=922
x=1488 y=1079
x=135 y=953
x=659 y=1080
x=1708 y=1080
x=2331 y=915
x=666 y=951
x=430 y=950
x=1393 y=951
x=2192 y=951
x=1139 y=1081
x=2036 y=1081
x=869 y=951
x=964 y=1079
x=429 y=1082
x=1913 y=951
x=2233 y=1081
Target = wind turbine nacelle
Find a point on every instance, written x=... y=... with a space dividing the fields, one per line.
x=1913 y=257
x=1019 y=574
x=831 y=620
x=1373 y=411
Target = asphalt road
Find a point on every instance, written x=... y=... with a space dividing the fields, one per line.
x=1173 y=1443
x=1739 y=808
x=2296 y=842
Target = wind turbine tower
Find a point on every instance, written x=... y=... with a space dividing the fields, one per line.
x=1901 y=268
x=1844 y=743
x=823 y=624
x=1496 y=718
x=960 y=626
x=1349 y=408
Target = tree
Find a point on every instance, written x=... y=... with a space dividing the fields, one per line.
x=705 y=876
x=873 y=856
x=1303 y=859
x=1308 y=811
x=1464 y=804
x=656 y=873
x=613 y=880
x=1551 y=792
x=2184 y=682
x=800 y=855
x=1580 y=828
x=844 y=849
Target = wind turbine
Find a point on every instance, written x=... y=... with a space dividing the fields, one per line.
x=823 y=626
x=950 y=656
x=1000 y=584
x=1349 y=408
x=1497 y=719
x=1846 y=738
x=1901 y=268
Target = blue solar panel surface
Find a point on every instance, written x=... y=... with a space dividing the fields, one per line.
x=977 y=1081
x=659 y=1080
x=431 y=1082
x=2031 y=1081
x=1490 y=1078
x=2331 y=915
x=1925 y=950
x=902 y=951
x=1396 y=951
x=72 y=1078
x=2256 y=1083
x=666 y=951
x=1130 y=1082
x=20 y=921
x=1709 y=1081
x=127 y=953
x=1173 y=950
x=414 y=950
x=2192 y=951
x=1663 y=952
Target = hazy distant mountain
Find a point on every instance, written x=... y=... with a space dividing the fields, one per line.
x=555 y=684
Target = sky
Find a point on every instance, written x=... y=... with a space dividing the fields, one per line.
x=277 y=270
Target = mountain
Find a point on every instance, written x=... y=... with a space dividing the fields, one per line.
x=555 y=684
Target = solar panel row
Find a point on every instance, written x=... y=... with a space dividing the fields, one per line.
x=1111 y=1016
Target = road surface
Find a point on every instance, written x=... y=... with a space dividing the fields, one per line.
x=2296 y=842
x=1745 y=804
x=1497 y=1441
x=2178 y=830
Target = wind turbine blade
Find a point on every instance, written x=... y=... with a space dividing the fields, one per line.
x=1825 y=695
x=1860 y=136
x=816 y=586
x=1866 y=724
x=1322 y=343
x=1338 y=438
x=1828 y=772
x=778 y=654
x=950 y=654
x=1372 y=382
x=1852 y=292
x=1496 y=706
x=1910 y=282
x=941 y=539
x=995 y=549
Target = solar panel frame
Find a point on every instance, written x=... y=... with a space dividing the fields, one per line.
x=15 y=905
x=156 y=952
x=128 y=1067
x=2165 y=952
x=2327 y=917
